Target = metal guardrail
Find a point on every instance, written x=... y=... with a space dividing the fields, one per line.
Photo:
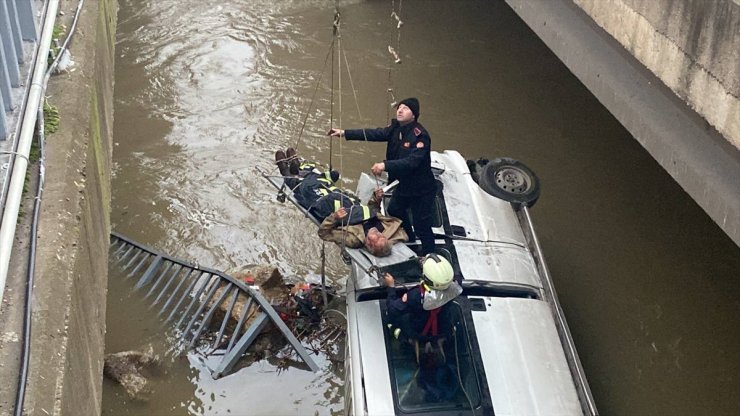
x=19 y=21
x=17 y=24
x=189 y=297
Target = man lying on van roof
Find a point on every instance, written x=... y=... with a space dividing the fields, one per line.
x=344 y=219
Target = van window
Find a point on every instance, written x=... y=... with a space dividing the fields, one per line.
x=443 y=379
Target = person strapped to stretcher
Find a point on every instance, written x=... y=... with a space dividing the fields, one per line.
x=344 y=219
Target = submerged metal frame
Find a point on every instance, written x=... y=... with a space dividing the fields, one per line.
x=133 y=256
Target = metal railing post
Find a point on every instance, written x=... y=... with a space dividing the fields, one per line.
x=28 y=23
x=8 y=46
x=5 y=84
x=3 y=123
x=15 y=28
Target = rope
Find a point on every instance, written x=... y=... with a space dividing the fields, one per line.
x=344 y=228
x=287 y=159
x=338 y=312
x=394 y=57
x=323 y=274
x=343 y=54
x=354 y=91
x=335 y=48
x=339 y=82
x=17 y=154
x=313 y=97
x=398 y=26
x=357 y=104
x=336 y=39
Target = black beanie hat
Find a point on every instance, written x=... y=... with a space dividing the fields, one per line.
x=412 y=104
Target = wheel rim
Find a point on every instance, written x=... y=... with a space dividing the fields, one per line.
x=513 y=180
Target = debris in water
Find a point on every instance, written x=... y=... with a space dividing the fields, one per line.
x=299 y=304
x=125 y=368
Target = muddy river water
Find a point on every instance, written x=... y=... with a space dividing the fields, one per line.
x=207 y=90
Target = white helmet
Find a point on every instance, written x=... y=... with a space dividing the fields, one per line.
x=438 y=272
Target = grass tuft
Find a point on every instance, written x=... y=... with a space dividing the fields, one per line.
x=56 y=37
x=51 y=118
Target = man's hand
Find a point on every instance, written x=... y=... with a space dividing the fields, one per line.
x=336 y=133
x=389 y=280
x=378 y=168
x=378 y=194
x=340 y=214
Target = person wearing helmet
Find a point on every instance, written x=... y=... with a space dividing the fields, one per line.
x=422 y=313
x=423 y=317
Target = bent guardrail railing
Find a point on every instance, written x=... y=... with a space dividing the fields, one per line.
x=190 y=295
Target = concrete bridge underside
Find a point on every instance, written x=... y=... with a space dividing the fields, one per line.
x=669 y=71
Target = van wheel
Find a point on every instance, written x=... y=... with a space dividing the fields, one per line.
x=510 y=180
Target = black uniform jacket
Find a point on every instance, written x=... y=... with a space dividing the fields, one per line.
x=415 y=313
x=329 y=204
x=407 y=156
x=313 y=187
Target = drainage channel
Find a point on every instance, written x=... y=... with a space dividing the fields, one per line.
x=188 y=297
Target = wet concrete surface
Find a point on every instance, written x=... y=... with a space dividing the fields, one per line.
x=206 y=92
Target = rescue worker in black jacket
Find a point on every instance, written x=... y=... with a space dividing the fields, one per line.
x=408 y=159
x=425 y=317
x=423 y=313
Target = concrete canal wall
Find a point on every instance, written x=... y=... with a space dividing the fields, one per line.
x=71 y=276
x=669 y=71
x=693 y=46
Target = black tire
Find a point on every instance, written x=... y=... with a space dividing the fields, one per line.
x=510 y=180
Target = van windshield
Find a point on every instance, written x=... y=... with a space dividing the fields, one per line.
x=443 y=377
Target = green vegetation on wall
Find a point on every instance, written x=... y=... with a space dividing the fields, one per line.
x=56 y=36
x=51 y=118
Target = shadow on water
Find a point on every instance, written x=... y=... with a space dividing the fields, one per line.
x=206 y=91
